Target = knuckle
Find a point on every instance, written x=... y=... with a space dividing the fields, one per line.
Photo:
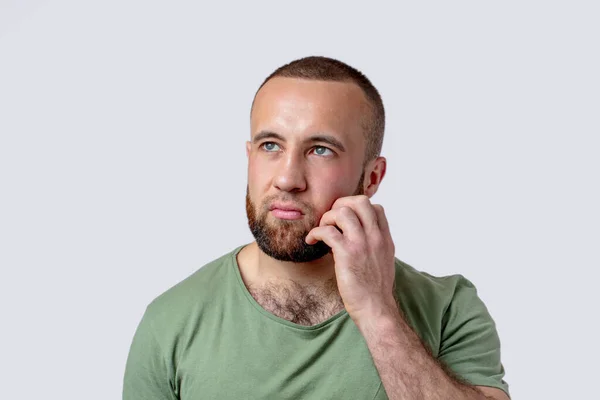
x=363 y=199
x=345 y=211
x=332 y=230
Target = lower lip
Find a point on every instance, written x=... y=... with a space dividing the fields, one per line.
x=286 y=214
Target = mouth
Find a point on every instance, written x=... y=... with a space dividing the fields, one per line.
x=286 y=211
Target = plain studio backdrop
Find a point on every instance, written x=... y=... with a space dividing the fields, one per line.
x=123 y=169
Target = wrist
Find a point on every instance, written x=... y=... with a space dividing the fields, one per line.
x=377 y=318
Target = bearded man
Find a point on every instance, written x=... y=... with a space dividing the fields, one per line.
x=318 y=306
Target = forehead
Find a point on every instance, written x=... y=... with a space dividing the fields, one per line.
x=296 y=105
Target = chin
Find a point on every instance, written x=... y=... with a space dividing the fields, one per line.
x=283 y=239
x=297 y=252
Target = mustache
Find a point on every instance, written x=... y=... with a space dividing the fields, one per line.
x=302 y=205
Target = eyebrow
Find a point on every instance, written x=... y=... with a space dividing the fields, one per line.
x=314 y=138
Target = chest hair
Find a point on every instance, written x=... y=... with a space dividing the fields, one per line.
x=303 y=305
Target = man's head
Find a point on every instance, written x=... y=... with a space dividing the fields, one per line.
x=316 y=134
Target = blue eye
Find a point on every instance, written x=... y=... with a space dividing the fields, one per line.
x=270 y=146
x=322 y=151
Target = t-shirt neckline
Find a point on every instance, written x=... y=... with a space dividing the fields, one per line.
x=266 y=313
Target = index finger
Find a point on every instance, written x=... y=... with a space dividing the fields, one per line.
x=362 y=207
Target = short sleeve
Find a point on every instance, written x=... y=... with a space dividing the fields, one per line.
x=148 y=375
x=470 y=345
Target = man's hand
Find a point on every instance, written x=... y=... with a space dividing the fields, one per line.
x=363 y=253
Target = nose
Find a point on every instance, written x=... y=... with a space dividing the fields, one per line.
x=290 y=176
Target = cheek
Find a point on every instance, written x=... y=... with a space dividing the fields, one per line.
x=337 y=180
x=258 y=174
x=329 y=186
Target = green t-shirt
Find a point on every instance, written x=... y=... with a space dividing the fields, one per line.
x=207 y=338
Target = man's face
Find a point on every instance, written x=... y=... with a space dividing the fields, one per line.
x=306 y=150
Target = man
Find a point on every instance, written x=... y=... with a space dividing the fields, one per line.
x=318 y=307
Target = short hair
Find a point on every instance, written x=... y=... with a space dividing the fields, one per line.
x=329 y=69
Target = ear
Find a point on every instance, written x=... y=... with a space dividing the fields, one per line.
x=374 y=173
x=248 y=145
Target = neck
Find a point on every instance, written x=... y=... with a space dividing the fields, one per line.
x=260 y=268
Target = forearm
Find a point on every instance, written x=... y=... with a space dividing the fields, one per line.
x=406 y=368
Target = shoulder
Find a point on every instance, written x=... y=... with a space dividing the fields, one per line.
x=195 y=292
x=425 y=300
x=424 y=286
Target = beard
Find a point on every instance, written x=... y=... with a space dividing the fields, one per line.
x=283 y=240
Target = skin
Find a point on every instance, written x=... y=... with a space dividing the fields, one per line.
x=298 y=110
x=362 y=257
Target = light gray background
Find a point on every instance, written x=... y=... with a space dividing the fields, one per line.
x=122 y=166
